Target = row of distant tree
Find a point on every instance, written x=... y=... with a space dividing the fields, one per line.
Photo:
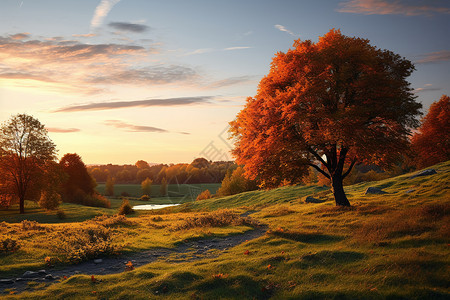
x=198 y=171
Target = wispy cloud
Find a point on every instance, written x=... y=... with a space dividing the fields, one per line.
x=20 y=36
x=62 y=130
x=101 y=12
x=236 y=48
x=182 y=101
x=132 y=27
x=230 y=81
x=72 y=66
x=84 y=35
x=434 y=57
x=282 y=28
x=426 y=88
x=199 y=51
x=133 y=128
x=383 y=7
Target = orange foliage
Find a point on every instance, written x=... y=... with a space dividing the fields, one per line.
x=432 y=142
x=326 y=104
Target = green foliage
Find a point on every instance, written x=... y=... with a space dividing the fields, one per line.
x=49 y=200
x=146 y=186
x=125 y=208
x=109 y=187
x=235 y=183
x=206 y=194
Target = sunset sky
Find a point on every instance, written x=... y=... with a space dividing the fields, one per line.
x=116 y=81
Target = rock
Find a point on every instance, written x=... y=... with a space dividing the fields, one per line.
x=30 y=274
x=98 y=261
x=426 y=172
x=21 y=279
x=374 y=190
x=42 y=272
x=7 y=281
x=409 y=191
x=311 y=199
x=49 y=277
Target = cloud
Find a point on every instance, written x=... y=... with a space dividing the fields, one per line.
x=72 y=66
x=282 y=28
x=123 y=26
x=133 y=128
x=84 y=35
x=199 y=51
x=230 y=81
x=426 y=88
x=62 y=130
x=20 y=36
x=236 y=48
x=138 y=103
x=383 y=7
x=101 y=12
x=434 y=57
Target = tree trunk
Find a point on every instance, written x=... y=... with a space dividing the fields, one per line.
x=338 y=190
x=22 y=205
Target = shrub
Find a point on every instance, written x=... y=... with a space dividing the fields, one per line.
x=8 y=245
x=145 y=198
x=61 y=214
x=146 y=186
x=49 y=200
x=206 y=194
x=31 y=225
x=235 y=183
x=125 y=208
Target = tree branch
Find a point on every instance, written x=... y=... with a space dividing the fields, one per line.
x=316 y=155
x=320 y=170
x=349 y=169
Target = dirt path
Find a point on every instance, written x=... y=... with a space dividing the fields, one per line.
x=188 y=251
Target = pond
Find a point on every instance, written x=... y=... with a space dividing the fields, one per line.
x=152 y=206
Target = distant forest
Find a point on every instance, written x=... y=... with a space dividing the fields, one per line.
x=199 y=171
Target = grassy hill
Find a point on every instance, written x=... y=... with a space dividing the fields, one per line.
x=389 y=246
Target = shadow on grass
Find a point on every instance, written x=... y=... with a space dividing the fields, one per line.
x=308 y=238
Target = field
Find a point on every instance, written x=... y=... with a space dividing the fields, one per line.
x=389 y=246
x=175 y=191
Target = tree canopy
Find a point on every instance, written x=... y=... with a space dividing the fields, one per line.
x=432 y=141
x=25 y=148
x=327 y=105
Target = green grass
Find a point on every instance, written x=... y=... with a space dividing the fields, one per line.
x=391 y=246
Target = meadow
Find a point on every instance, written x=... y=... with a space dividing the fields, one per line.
x=389 y=246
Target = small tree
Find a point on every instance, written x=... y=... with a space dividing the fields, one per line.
x=235 y=182
x=146 y=186
x=326 y=105
x=206 y=194
x=109 y=186
x=163 y=187
x=49 y=200
x=432 y=141
x=24 y=150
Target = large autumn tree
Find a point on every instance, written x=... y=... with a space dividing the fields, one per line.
x=432 y=141
x=25 y=149
x=327 y=105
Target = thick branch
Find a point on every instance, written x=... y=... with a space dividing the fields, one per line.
x=320 y=170
x=349 y=169
x=316 y=155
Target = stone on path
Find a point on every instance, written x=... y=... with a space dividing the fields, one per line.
x=98 y=261
x=426 y=172
x=374 y=190
x=6 y=281
x=30 y=274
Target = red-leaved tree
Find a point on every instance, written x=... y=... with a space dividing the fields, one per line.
x=328 y=104
x=432 y=141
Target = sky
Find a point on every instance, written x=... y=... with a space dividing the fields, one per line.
x=117 y=81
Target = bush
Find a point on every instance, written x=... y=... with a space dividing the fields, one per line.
x=8 y=245
x=61 y=214
x=97 y=200
x=125 y=208
x=145 y=198
x=235 y=183
x=206 y=194
x=49 y=200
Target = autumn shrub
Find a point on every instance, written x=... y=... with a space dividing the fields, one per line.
x=31 y=225
x=96 y=200
x=125 y=208
x=8 y=245
x=206 y=194
x=49 y=200
x=61 y=214
x=235 y=182
x=145 y=198
x=219 y=218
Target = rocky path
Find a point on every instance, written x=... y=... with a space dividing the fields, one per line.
x=188 y=251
